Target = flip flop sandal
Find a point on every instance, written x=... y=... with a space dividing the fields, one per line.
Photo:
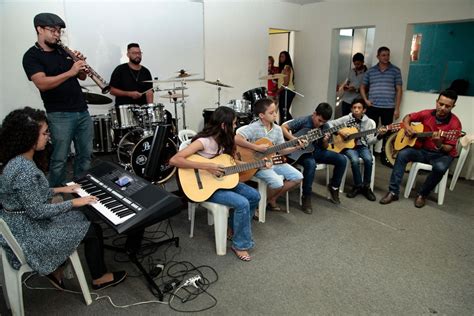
x=273 y=208
x=245 y=258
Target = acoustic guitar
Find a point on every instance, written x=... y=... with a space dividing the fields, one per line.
x=199 y=185
x=340 y=143
x=307 y=135
x=402 y=140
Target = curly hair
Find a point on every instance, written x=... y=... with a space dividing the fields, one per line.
x=19 y=132
x=223 y=136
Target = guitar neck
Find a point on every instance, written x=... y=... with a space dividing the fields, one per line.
x=244 y=167
x=280 y=147
x=332 y=129
x=424 y=134
x=362 y=134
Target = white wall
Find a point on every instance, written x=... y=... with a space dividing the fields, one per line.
x=317 y=65
x=236 y=43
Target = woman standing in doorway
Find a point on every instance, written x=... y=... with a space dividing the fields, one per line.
x=285 y=96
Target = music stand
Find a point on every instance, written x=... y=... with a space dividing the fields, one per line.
x=154 y=160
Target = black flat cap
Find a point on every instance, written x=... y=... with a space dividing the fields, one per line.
x=48 y=19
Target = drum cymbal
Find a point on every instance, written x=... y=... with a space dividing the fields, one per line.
x=94 y=98
x=272 y=77
x=173 y=96
x=174 y=89
x=181 y=76
x=156 y=81
x=218 y=83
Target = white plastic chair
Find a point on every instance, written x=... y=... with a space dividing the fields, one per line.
x=13 y=278
x=440 y=188
x=262 y=204
x=186 y=134
x=466 y=142
x=217 y=215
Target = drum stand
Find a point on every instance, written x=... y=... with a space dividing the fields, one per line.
x=286 y=97
x=219 y=95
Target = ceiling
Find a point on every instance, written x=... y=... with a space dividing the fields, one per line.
x=302 y=2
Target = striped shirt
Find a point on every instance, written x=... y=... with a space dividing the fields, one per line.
x=382 y=85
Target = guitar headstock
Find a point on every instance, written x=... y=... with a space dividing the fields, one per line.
x=452 y=134
x=351 y=123
x=278 y=160
x=395 y=126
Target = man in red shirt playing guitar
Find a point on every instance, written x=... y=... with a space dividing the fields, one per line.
x=436 y=147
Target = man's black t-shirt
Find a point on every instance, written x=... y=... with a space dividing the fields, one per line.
x=67 y=97
x=127 y=79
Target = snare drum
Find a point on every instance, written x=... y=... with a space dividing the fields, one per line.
x=123 y=116
x=103 y=138
x=240 y=106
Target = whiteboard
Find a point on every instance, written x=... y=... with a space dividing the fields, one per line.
x=170 y=34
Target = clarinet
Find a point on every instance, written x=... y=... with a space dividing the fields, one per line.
x=103 y=85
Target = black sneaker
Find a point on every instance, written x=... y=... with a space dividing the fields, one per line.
x=306 y=206
x=367 y=192
x=355 y=191
x=334 y=194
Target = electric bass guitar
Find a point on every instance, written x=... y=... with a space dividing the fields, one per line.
x=402 y=140
x=317 y=134
x=198 y=185
x=340 y=143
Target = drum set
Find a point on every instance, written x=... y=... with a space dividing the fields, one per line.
x=129 y=129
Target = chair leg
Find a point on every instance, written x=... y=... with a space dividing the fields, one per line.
x=411 y=180
x=442 y=188
x=76 y=263
x=220 y=214
x=13 y=287
x=262 y=204
x=191 y=214
x=287 y=202
x=459 y=165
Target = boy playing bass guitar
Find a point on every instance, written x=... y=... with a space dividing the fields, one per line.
x=317 y=119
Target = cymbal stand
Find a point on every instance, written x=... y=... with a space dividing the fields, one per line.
x=183 y=83
x=218 y=93
x=286 y=97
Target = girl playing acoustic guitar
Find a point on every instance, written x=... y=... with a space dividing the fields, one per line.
x=215 y=139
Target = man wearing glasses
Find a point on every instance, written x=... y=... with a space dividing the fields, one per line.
x=55 y=74
x=127 y=79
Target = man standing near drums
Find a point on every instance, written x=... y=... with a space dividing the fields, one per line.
x=127 y=80
x=55 y=74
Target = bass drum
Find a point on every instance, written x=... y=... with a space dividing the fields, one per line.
x=133 y=151
x=390 y=153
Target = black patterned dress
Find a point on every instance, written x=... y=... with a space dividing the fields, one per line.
x=47 y=233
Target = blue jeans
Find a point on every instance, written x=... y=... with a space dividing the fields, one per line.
x=244 y=200
x=309 y=162
x=275 y=176
x=67 y=127
x=439 y=161
x=353 y=155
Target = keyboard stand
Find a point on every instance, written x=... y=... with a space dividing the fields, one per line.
x=132 y=255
